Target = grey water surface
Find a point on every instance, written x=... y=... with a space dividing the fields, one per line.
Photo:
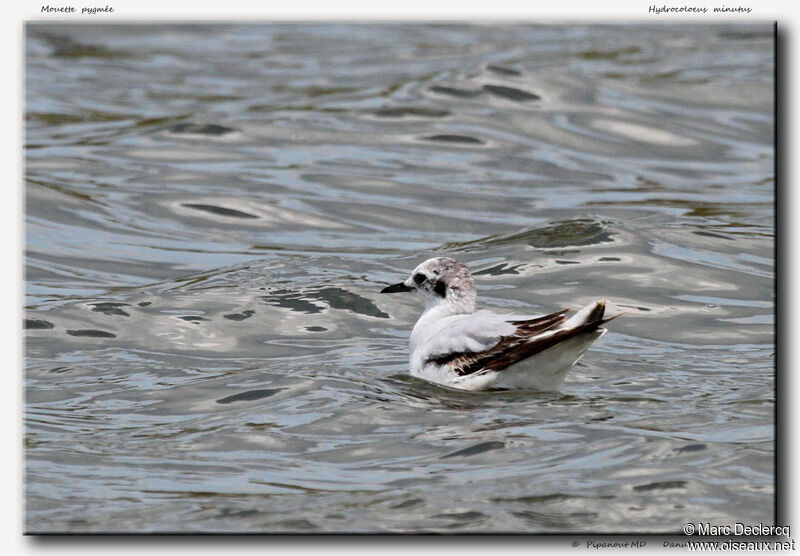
x=211 y=211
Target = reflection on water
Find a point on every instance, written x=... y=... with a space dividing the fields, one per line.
x=211 y=211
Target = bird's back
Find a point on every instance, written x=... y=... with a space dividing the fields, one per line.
x=484 y=349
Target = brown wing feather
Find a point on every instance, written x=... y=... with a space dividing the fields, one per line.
x=525 y=329
x=517 y=346
x=528 y=327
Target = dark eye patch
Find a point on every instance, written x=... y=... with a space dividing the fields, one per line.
x=440 y=289
x=419 y=278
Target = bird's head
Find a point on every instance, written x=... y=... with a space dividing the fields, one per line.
x=440 y=280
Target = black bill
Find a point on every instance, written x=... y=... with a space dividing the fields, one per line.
x=395 y=288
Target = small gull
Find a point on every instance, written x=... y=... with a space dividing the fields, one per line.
x=454 y=345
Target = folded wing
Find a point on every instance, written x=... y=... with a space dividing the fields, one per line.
x=527 y=338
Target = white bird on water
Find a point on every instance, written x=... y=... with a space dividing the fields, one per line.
x=454 y=345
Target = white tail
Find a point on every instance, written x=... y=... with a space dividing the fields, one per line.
x=591 y=313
